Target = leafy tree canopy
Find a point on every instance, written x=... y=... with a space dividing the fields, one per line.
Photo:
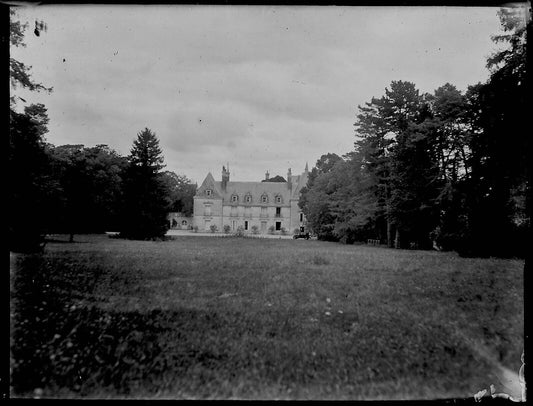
x=181 y=192
x=19 y=73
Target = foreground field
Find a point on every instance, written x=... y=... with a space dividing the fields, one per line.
x=261 y=319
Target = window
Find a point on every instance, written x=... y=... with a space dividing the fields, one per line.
x=233 y=225
x=248 y=199
x=264 y=199
x=234 y=198
x=208 y=192
x=246 y=225
x=207 y=210
x=183 y=222
x=301 y=217
x=278 y=199
x=302 y=229
x=278 y=211
x=278 y=225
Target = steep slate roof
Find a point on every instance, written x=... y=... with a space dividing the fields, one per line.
x=255 y=189
x=300 y=182
x=209 y=183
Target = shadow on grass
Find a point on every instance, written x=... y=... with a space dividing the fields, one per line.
x=60 y=347
x=63 y=348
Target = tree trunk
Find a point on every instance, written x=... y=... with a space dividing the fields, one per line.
x=389 y=234
x=397 y=239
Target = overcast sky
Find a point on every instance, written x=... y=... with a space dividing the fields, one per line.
x=263 y=88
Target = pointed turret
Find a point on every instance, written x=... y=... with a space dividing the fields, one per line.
x=208 y=184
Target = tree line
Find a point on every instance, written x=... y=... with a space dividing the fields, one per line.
x=447 y=170
x=76 y=189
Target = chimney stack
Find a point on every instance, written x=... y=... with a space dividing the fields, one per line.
x=267 y=175
x=289 y=181
x=225 y=177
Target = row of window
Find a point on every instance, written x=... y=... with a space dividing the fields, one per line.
x=207 y=211
x=248 y=197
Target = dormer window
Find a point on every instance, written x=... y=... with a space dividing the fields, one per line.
x=248 y=198
x=278 y=199
x=234 y=198
x=264 y=199
x=208 y=192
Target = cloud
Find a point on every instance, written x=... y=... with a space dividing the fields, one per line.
x=197 y=125
x=262 y=87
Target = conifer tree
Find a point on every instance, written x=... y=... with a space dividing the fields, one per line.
x=145 y=198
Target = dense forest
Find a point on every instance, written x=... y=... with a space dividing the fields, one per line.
x=447 y=170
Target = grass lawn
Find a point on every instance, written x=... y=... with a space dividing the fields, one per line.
x=200 y=317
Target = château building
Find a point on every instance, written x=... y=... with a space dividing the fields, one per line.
x=248 y=204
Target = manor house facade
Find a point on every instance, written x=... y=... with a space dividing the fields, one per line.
x=265 y=205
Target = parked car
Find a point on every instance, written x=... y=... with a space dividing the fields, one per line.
x=301 y=235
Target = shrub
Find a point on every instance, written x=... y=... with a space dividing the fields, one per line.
x=283 y=231
x=271 y=230
x=195 y=229
x=213 y=228
x=255 y=230
x=296 y=231
x=239 y=232
x=227 y=229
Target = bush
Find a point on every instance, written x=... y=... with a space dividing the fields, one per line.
x=227 y=229
x=255 y=230
x=283 y=231
x=213 y=228
x=271 y=230
x=239 y=232
x=296 y=231
x=195 y=229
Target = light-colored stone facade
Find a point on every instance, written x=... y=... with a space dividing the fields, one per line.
x=177 y=221
x=260 y=205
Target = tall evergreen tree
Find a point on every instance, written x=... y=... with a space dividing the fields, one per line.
x=499 y=146
x=146 y=198
x=387 y=132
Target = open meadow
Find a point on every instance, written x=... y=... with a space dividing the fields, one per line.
x=240 y=318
